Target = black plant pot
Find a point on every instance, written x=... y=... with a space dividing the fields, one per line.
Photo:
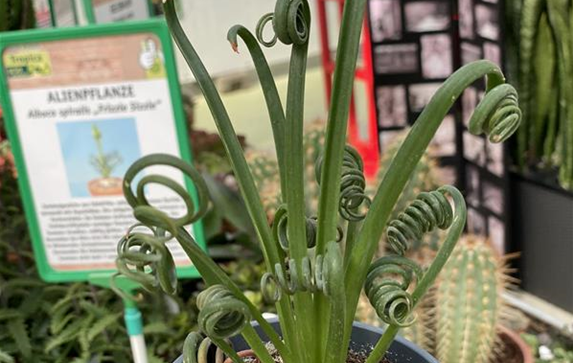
x=364 y=337
x=542 y=230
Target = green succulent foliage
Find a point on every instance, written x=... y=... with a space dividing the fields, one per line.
x=540 y=60
x=16 y=15
x=424 y=178
x=468 y=304
x=562 y=353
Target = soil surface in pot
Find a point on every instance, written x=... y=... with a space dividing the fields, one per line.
x=510 y=352
x=353 y=357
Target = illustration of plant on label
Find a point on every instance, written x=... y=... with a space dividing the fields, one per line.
x=316 y=265
x=104 y=163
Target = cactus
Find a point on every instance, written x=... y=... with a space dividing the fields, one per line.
x=16 y=15
x=468 y=303
x=313 y=147
x=265 y=172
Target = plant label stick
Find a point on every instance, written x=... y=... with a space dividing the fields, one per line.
x=81 y=105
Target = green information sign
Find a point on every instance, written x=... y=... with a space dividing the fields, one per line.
x=81 y=105
x=55 y=13
x=44 y=13
x=112 y=11
x=64 y=13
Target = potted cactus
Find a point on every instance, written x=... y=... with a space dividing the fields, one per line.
x=465 y=311
x=316 y=265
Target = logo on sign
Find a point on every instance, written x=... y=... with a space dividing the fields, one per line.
x=28 y=64
x=151 y=59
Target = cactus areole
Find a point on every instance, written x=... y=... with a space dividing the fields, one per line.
x=318 y=264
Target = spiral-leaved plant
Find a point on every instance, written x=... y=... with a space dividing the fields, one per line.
x=317 y=265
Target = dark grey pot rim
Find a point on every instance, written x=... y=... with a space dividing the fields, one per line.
x=364 y=336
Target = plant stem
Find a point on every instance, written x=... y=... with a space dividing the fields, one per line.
x=383 y=344
x=294 y=192
x=343 y=85
x=270 y=92
x=352 y=230
x=229 y=351
x=213 y=275
x=235 y=153
x=335 y=352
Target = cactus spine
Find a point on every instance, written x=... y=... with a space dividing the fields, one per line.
x=468 y=303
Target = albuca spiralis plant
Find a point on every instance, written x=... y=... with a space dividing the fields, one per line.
x=315 y=267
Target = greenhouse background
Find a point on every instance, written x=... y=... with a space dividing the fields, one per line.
x=89 y=87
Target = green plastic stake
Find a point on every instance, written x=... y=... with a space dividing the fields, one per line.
x=132 y=315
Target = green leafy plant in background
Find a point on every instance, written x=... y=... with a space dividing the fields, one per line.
x=42 y=322
x=16 y=15
x=554 y=351
x=318 y=288
x=541 y=62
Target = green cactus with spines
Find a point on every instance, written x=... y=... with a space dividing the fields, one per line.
x=313 y=140
x=16 y=15
x=468 y=303
x=266 y=175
